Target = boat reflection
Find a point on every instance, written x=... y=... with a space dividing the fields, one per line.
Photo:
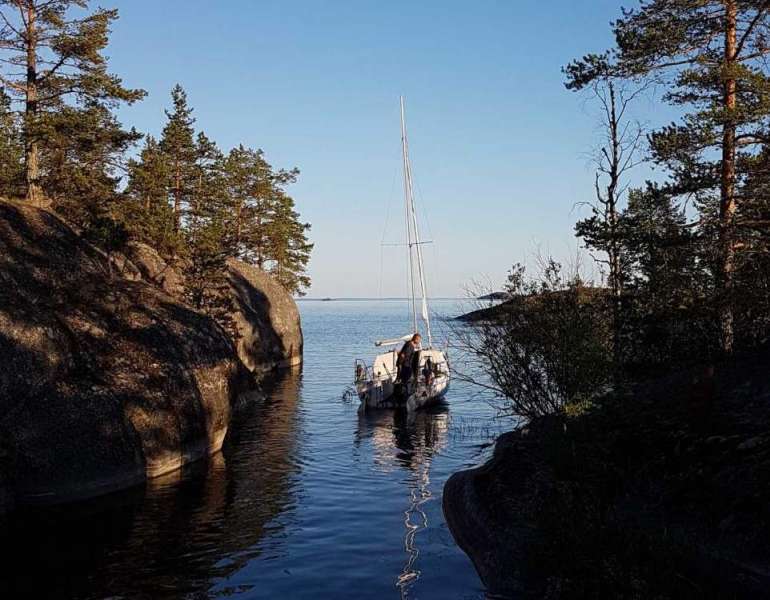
x=408 y=440
x=179 y=536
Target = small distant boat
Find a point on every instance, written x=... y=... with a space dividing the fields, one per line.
x=378 y=385
x=326 y=299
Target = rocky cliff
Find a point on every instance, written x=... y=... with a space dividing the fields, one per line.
x=104 y=380
x=264 y=318
x=269 y=332
x=660 y=492
x=153 y=268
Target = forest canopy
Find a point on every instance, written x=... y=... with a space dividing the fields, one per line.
x=685 y=258
x=62 y=147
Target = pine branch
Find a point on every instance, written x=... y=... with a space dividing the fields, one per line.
x=9 y=24
x=52 y=71
x=12 y=84
x=760 y=13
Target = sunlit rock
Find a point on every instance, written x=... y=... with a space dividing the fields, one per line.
x=155 y=269
x=266 y=319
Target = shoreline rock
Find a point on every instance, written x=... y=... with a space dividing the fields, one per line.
x=659 y=492
x=483 y=527
x=105 y=381
x=266 y=319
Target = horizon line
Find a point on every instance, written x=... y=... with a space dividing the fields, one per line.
x=341 y=298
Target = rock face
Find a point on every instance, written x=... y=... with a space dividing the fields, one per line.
x=495 y=524
x=104 y=381
x=660 y=492
x=154 y=269
x=266 y=318
x=125 y=268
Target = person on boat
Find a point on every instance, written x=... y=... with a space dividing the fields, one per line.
x=406 y=358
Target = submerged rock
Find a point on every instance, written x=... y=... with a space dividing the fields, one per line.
x=104 y=381
x=266 y=319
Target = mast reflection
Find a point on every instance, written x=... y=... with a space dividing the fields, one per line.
x=409 y=441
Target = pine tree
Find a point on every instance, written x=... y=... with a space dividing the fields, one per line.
x=265 y=229
x=289 y=248
x=659 y=247
x=191 y=202
x=50 y=56
x=208 y=172
x=164 y=181
x=146 y=210
x=206 y=232
x=710 y=56
x=752 y=298
x=667 y=322
x=82 y=163
x=249 y=187
x=178 y=144
x=11 y=151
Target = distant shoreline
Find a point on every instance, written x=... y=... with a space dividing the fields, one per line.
x=371 y=299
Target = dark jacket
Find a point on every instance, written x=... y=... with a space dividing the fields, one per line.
x=406 y=354
x=407 y=361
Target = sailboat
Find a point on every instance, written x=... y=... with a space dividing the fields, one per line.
x=378 y=385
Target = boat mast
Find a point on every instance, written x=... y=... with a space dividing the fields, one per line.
x=407 y=206
x=413 y=235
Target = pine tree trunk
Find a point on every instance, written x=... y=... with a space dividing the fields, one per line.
x=177 y=197
x=727 y=204
x=260 y=253
x=31 y=149
x=238 y=226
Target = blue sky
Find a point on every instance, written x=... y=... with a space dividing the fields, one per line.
x=498 y=145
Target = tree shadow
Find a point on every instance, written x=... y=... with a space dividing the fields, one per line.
x=263 y=339
x=105 y=378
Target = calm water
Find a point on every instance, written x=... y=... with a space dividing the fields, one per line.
x=308 y=500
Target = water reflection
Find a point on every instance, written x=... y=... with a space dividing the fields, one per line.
x=180 y=535
x=408 y=440
x=290 y=509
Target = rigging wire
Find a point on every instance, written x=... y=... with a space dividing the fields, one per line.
x=422 y=205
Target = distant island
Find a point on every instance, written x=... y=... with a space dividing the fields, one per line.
x=495 y=296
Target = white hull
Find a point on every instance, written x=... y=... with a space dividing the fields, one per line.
x=379 y=387
x=425 y=396
x=382 y=394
